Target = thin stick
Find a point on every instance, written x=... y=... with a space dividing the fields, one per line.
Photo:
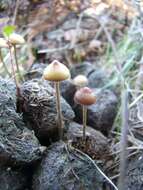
x=84 y=109
x=16 y=61
x=59 y=111
x=123 y=141
x=4 y=65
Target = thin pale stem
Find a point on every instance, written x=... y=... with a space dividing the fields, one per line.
x=4 y=65
x=84 y=117
x=59 y=111
x=16 y=61
x=13 y=72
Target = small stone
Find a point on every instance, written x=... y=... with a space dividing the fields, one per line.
x=39 y=109
x=11 y=179
x=84 y=68
x=134 y=173
x=35 y=71
x=18 y=145
x=62 y=168
x=97 y=145
x=97 y=79
x=68 y=90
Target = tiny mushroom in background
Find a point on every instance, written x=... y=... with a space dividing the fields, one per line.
x=3 y=44
x=80 y=81
x=16 y=39
x=85 y=97
x=57 y=72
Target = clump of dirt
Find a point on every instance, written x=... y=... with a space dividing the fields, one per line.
x=18 y=145
x=12 y=179
x=134 y=173
x=39 y=109
x=61 y=169
x=96 y=144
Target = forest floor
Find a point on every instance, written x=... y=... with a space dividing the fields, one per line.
x=101 y=40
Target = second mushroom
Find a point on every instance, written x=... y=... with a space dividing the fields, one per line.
x=85 y=97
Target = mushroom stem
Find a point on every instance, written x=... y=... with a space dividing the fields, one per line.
x=4 y=65
x=84 y=117
x=13 y=73
x=16 y=61
x=59 y=111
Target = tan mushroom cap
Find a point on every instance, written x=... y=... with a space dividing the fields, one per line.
x=85 y=96
x=3 y=43
x=56 y=71
x=16 y=39
x=80 y=80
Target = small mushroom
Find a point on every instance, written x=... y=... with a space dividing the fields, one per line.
x=85 y=97
x=80 y=81
x=16 y=39
x=57 y=72
x=3 y=44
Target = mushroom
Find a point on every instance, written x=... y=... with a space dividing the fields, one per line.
x=80 y=81
x=57 y=72
x=16 y=39
x=85 y=97
x=3 y=44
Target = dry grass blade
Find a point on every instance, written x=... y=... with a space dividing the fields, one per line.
x=123 y=141
x=93 y=162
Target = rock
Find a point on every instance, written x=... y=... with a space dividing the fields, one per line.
x=134 y=180
x=84 y=68
x=36 y=71
x=68 y=90
x=18 y=145
x=100 y=115
x=39 y=109
x=11 y=179
x=97 y=145
x=61 y=169
x=97 y=79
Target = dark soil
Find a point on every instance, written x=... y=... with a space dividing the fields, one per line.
x=11 y=179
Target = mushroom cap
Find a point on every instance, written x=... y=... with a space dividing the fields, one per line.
x=16 y=39
x=85 y=96
x=56 y=71
x=80 y=80
x=3 y=43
